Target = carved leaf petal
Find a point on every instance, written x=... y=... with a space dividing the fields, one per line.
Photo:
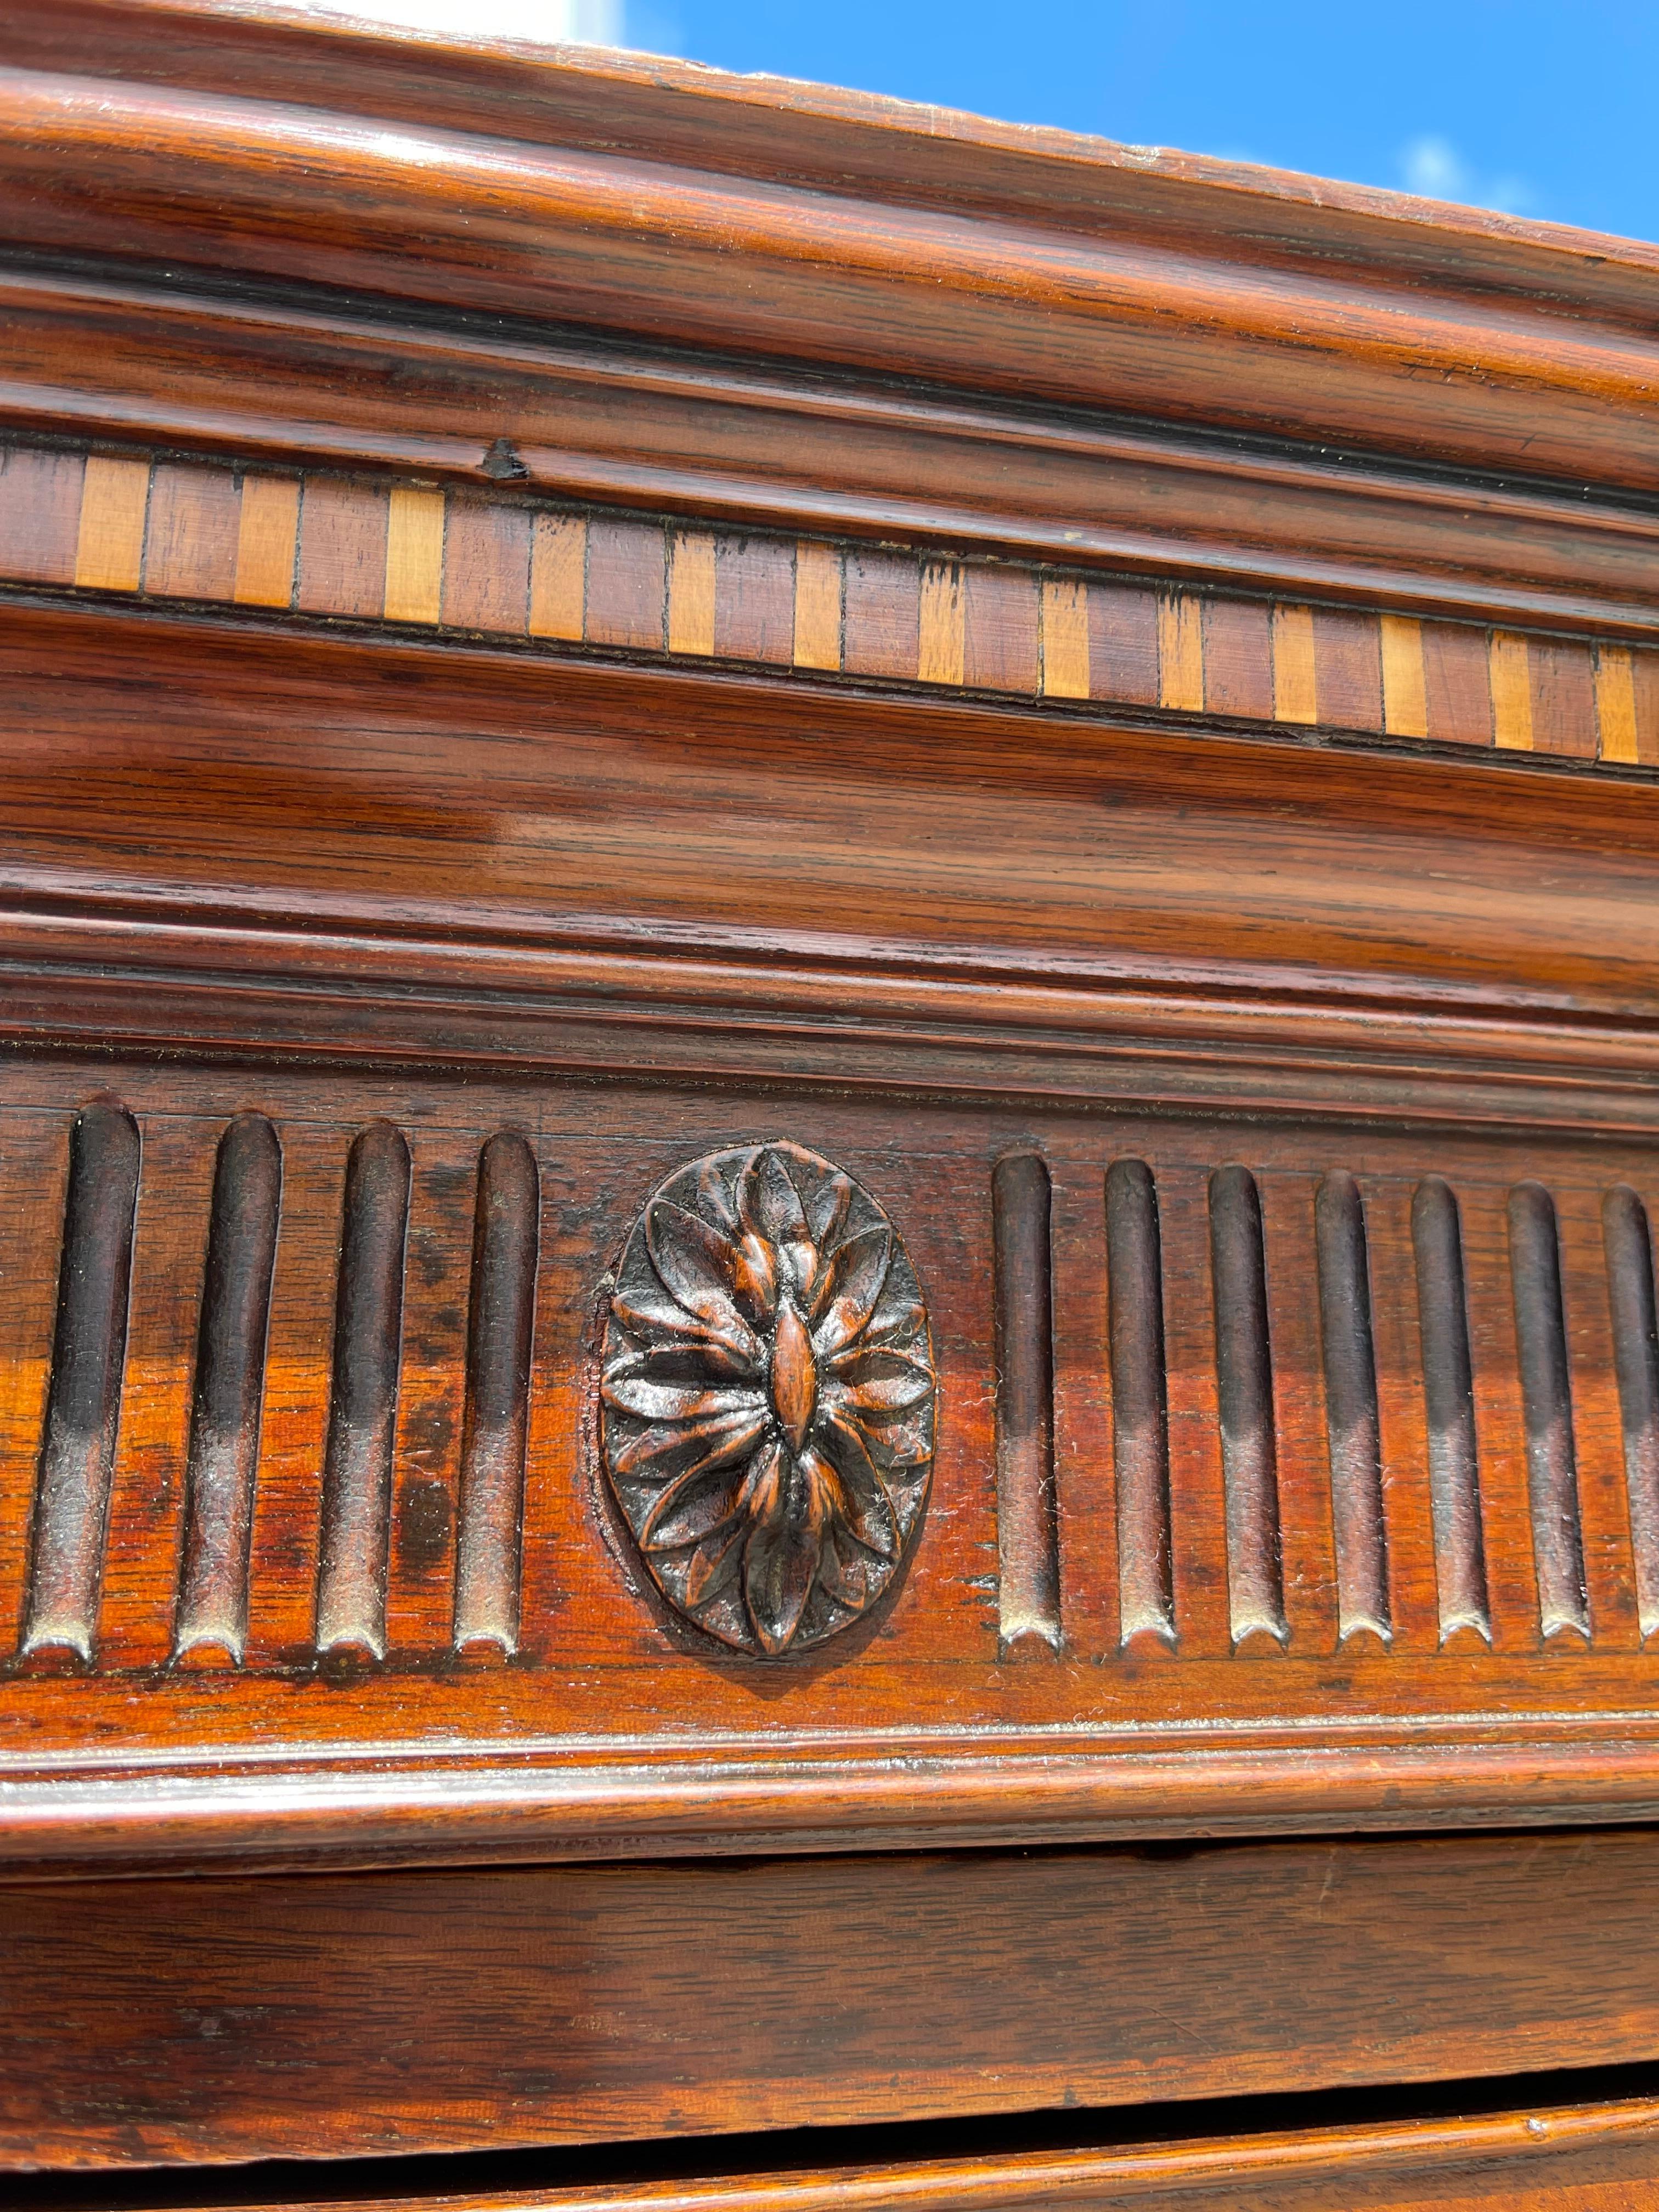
x=881 y=1399
x=771 y=1209
x=702 y=1502
x=863 y=1362
x=714 y=1565
x=906 y=1443
x=700 y=1361
x=714 y=1200
x=649 y=1312
x=652 y=1400
x=779 y=1565
x=767 y=1199
x=674 y=1447
x=898 y=1322
x=698 y=1264
x=845 y=1580
x=851 y=1285
x=827 y=1208
x=862 y=1505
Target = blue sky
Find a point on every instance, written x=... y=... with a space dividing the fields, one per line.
x=1547 y=110
x=1540 y=107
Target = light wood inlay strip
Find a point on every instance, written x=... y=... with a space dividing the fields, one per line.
x=1180 y=652
x=1615 y=705
x=691 y=591
x=1065 y=641
x=942 y=656
x=109 y=551
x=817 y=605
x=558 y=576
x=1511 y=693
x=1296 y=695
x=1404 y=692
x=415 y=554
x=267 y=540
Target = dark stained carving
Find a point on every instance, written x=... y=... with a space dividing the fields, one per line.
x=1547 y=1394
x=1352 y=1427
x=769 y=1396
x=351 y=1568
x=1244 y=1380
x=1140 y=1413
x=1027 y=1544
x=230 y=1370
x=504 y=1254
x=1635 y=1353
x=1459 y=1551
x=77 y=1458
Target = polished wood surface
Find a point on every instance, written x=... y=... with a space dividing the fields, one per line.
x=346 y=2015
x=827 y=1002
x=1548 y=2156
x=1401 y=1472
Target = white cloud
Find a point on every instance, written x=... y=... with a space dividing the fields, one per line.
x=546 y=22
x=1433 y=167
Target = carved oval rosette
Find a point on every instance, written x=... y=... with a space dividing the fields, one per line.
x=768 y=1396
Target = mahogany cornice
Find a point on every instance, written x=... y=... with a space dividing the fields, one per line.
x=1193 y=368
x=306 y=380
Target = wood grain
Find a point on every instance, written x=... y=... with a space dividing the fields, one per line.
x=267 y=540
x=558 y=575
x=1068 y=669
x=342 y=548
x=415 y=554
x=1543 y=2157
x=1180 y=651
x=1562 y=676
x=486 y=566
x=1511 y=692
x=941 y=641
x=1404 y=695
x=1253 y=304
x=627 y=585
x=817 y=640
x=109 y=552
x=1347 y=669
x=1296 y=690
x=882 y=615
x=191 y=534
x=1001 y=646
x=1457 y=684
x=1237 y=650
x=754 y=599
x=449 y=2010
x=1122 y=644
x=691 y=591
x=39 y=502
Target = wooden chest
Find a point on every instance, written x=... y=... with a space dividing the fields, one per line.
x=827 y=1351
